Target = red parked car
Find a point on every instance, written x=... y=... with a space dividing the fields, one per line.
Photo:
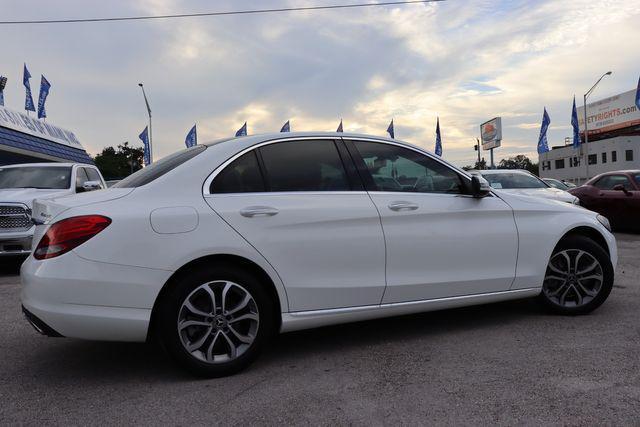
x=615 y=195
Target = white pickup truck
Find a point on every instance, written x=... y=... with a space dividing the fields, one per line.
x=21 y=184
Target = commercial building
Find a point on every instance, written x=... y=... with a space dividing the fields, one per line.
x=25 y=139
x=614 y=142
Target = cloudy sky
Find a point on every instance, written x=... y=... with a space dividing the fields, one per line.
x=465 y=61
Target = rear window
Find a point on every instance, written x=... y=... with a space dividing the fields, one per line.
x=159 y=168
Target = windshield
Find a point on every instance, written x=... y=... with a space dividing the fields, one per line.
x=45 y=177
x=513 y=180
x=556 y=184
x=159 y=168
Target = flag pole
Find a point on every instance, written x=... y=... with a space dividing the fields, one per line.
x=146 y=101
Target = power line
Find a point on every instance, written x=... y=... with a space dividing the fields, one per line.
x=237 y=12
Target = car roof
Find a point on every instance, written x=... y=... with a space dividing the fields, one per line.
x=250 y=140
x=54 y=164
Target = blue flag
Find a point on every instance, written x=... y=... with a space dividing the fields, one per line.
x=340 y=127
x=543 y=146
x=44 y=92
x=438 y=138
x=638 y=95
x=390 y=130
x=28 y=99
x=243 y=130
x=192 y=138
x=144 y=137
x=286 y=127
x=575 y=125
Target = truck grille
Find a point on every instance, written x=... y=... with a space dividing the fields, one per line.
x=15 y=217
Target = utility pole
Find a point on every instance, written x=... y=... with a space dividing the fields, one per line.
x=586 y=126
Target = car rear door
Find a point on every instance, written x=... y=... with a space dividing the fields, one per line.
x=301 y=204
x=440 y=242
x=614 y=204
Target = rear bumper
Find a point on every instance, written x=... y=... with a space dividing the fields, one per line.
x=78 y=298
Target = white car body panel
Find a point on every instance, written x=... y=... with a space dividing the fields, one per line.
x=545 y=193
x=327 y=247
x=106 y=288
x=424 y=243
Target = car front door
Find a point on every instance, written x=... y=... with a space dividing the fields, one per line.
x=440 y=241
x=301 y=204
x=614 y=204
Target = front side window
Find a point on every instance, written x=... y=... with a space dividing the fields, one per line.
x=45 y=177
x=399 y=169
x=94 y=175
x=610 y=181
x=304 y=166
x=240 y=176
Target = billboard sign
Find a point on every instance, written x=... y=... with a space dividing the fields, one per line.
x=23 y=123
x=491 y=133
x=606 y=115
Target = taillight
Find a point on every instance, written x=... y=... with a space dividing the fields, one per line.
x=69 y=233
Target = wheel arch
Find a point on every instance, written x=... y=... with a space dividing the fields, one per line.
x=586 y=231
x=207 y=261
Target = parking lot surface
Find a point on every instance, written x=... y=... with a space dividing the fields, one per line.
x=502 y=363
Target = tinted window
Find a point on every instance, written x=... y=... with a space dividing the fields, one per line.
x=396 y=168
x=614 y=156
x=604 y=157
x=45 y=177
x=159 y=168
x=610 y=181
x=304 y=166
x=628 y=155
x=637 y=179
x=81 y=177
x=241 y=176
x=513 y=180
x=560 y=164
x=593 y=159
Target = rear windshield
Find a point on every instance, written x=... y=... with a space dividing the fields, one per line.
x=45 y=177
x=513 y=180
x=159 y=168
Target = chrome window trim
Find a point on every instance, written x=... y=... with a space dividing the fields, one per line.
x=216 y=171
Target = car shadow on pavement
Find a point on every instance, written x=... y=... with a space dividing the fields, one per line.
x=10 y=265
x=77 y=360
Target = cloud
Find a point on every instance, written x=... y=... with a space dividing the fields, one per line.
x=465 y=62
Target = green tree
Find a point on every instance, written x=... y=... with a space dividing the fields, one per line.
x=519 y=162
x=119 y=163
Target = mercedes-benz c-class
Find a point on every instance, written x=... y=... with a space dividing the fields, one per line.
x=216 y=248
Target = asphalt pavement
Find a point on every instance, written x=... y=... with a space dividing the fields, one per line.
x=507 y=363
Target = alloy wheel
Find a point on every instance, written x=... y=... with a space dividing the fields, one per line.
x=573 y=278
x=218 y=321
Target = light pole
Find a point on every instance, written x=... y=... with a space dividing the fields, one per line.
x=146 y=101
x=586 y=126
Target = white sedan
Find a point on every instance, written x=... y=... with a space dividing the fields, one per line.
x=215 y=248
x=517 y=181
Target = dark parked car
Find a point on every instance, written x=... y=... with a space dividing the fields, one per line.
x=615 y=195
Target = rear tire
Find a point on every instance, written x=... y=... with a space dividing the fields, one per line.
x=579 y=277
x=214 y=322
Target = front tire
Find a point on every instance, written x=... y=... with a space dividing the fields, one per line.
x=579 y=277
x=214 y=322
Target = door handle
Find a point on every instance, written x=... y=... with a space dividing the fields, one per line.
x=402 y=206
x=252 y=211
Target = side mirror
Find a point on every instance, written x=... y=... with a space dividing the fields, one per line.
x=620 y=187
x=479 y=187
x=91 y=185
